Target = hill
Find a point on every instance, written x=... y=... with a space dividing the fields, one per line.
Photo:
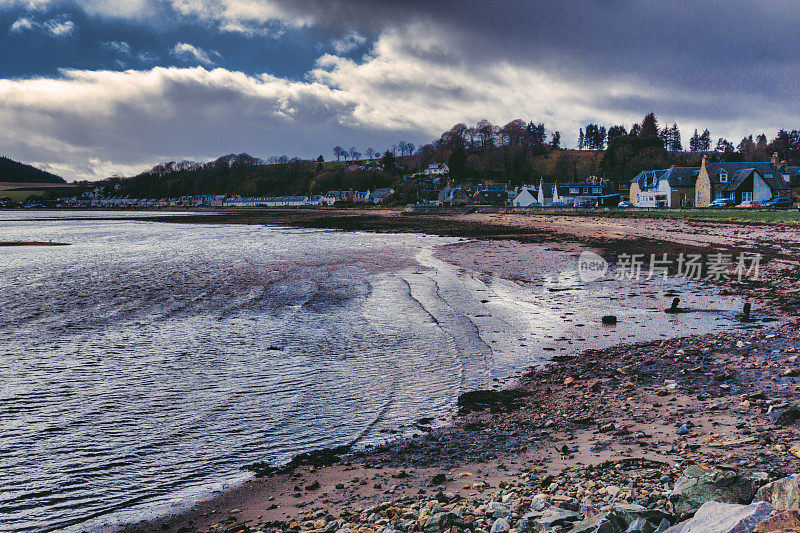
x=15 y=172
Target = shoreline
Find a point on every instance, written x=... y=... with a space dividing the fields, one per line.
x=302 y=477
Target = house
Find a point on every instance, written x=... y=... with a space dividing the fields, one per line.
x=525 y=198
x=378 y=196
x=673 y=187
x=757 y=181
x=437 y=169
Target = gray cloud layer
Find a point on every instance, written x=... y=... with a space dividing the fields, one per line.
x=729 y=66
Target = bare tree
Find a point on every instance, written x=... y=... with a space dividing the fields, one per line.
x=371 y=153
x=338 y=151
x=354 y=154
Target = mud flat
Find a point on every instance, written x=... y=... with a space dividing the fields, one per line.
x=607 y=435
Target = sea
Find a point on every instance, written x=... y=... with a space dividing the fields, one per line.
x=143 y=364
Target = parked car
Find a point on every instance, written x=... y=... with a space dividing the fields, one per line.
x=584 y=203
x=559 y=204
x=777 y=203
x=749 y=204
x=720 y=203
x=625 y=203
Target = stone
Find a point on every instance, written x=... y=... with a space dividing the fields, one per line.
x=683 y=430
x=438 y=479
x=555 y=516
x=783 y=494
x=699 y=485
x=785 y=521
x=785 y=416
x=441 y=521
x=715 y=517
x=610 y=522
x=500 y=525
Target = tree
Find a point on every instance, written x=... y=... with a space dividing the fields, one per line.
x=724 y=146
x=581 y=139
x=705 y=141
x=338 y=151
x=595 y=137
x=555 y=140
x=410 y=147
x=487 y=133
x=514 y=132
x=694 y=142
x=675 y=134
x=320 y=159
x=388 y=162
x=458 y=163
x=354 y=154
x=614 y=132
x=371 y=153
x=649 y=125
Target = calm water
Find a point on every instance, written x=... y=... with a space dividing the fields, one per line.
x=144 y=364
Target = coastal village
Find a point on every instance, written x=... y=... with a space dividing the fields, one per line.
x=748 y=184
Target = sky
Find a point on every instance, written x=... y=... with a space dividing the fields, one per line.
x=91 y=88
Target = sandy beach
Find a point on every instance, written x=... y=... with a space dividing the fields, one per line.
x=616 y=426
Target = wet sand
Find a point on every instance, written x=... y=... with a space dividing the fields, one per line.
x=606 y=408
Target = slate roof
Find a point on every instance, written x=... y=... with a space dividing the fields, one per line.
x=739 y=172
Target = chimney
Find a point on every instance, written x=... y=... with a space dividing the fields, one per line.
x=776 y=160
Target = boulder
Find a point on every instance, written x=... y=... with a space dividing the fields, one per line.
x=628 y=518
x=500 y=525
x=442 y=521
x=785 y=416
x=785 y=521
x=783 y=494
x=555 y=516
x=699 y=485
x=715 y=517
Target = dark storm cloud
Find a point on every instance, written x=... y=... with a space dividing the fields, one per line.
x=724 y=46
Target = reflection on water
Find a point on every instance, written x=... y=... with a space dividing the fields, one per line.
x=146 y=363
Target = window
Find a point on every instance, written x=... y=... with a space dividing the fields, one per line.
x=719 y=195
x=597 y=190
x=723 y=176
x=747 y=196
x=699 y=197
x=637 y=199
x=574 y=190
x=586 y=190
x=787 y=178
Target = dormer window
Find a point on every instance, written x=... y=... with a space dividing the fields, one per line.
x=723 y=176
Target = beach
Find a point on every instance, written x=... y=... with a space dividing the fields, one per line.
x=615 y=425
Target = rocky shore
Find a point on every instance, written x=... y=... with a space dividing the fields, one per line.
x=698 y=433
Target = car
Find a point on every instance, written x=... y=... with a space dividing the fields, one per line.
x=584 y=203
x=777 y=203
x=749 y=204
x=720 y=203
x=625 y=203
x=559 y=204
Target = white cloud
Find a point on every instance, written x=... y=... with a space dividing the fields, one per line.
x=349 y=42
x=410 y=86
x=191 y=53
x=22 y=24
x=55 y=27
x=121 y=47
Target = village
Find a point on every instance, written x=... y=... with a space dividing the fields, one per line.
x=751 y=184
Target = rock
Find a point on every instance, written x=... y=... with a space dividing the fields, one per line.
x=783 y=494
x=500 y=525
x=610 y=522
x=554 y=516
x=715 y=517
x=438 y=479
x=313 y=486
x=508 y=400
x=785 y=416
x=442 y=521
x=609 y=320
x=785 y=521
x=699 y=485
x=683 y=430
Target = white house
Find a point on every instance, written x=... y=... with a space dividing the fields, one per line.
x=525 y=198
x=437 y=168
